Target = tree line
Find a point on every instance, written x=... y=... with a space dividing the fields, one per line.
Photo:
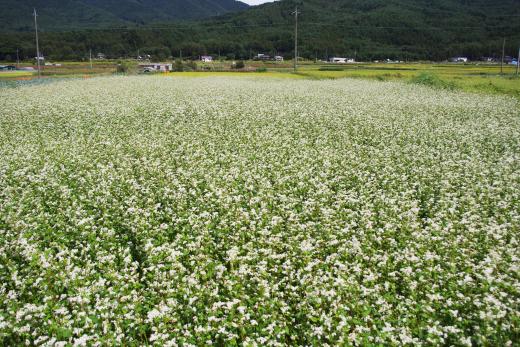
x=365 y=30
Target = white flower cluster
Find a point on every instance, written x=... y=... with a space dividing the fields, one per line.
x=233 y=211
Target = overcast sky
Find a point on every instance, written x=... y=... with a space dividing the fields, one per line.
x=256 y=2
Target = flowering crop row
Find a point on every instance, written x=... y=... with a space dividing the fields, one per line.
x=234 y=211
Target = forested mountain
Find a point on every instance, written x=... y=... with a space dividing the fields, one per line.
x=76 y=14
x=366 y=29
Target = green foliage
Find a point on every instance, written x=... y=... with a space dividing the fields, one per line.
x=67 y=15
x=261 y=69
x=123 y=67
x=333 y=68
x=178 y=66
x=431 y=80
x=395 y=29
x=154 y=211
x=192 y=65
x=240 y=64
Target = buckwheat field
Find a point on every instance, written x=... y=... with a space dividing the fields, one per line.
x=257 y=212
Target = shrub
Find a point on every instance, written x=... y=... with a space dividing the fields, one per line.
x=192 y=65
x=122 y=67
x=261 y=69
x=433 y=81
x=331 y=69
x=178 y=66
x=240 y=64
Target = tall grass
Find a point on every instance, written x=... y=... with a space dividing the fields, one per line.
x=434 y=81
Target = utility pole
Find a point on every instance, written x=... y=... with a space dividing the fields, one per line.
x=503 y=53
x=296 y=13
x=90 y=53
x=17 y=59
x=518 y=61
x=37 y=44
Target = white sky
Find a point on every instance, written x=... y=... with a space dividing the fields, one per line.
x=256 y=2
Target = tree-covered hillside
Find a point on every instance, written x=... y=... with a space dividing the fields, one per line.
x=366 y=29
x=55 y=15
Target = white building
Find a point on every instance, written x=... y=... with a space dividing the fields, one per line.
x=262 y=56
x=278 y=58
x=206 y=58
x=339 y=60
x=459 y=59
x=156 y=67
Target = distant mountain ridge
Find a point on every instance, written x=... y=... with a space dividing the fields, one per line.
x=56 y=15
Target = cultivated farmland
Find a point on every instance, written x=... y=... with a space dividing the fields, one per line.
x=229 y=210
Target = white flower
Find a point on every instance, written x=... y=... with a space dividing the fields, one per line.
x=181 y=211
x=233 y=253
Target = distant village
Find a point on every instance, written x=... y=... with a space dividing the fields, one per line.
x=146 y=64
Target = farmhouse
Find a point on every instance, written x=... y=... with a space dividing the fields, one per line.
x=278 y=58
x=156 y=67
x=206 y=58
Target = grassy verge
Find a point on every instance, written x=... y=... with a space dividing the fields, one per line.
x=471 y=78
x=486 y=79
x=14 y=74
